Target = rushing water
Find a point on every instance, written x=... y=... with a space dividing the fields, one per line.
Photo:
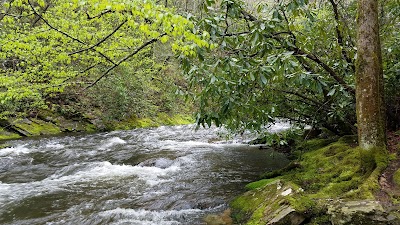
x=165 y=175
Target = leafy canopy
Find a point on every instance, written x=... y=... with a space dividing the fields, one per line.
x=47 y=46
x=284 y=59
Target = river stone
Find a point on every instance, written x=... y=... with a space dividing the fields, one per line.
x=286 y=215
x=269 y=205
x=363 y=212
x=220 y=219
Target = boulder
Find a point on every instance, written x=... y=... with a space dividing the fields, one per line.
x=362 y=212
x=268 y=204
x=286 y=215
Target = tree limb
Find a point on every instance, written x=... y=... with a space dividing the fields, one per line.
x=101 y=41
x=310 y=56
x=6 y=12
x=340 y=36
x=124 y=59
x=327 y=68
x=66 y=34
x=99 y=15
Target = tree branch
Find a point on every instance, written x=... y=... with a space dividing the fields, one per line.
x=99 y=15
x=101 y=41
x=310 y=56
x=7 y=11
x=328 y=69
x=124 y=59
x=340 y=36
x=66 y=34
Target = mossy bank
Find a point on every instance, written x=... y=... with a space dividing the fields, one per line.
x=328 y=185
x=52 y=124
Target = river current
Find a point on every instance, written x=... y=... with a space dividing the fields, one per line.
x=160 y=176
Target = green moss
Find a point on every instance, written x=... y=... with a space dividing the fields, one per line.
x=276 y=173
x=260 y=183
x=349 y=139
x=327 y=170
x=161 y=119
x=4 y=146
x=251 y=207
x=304 y=203
x=35 y=127
x=5 y=135
x=314 y=144
x=333 y=171
x=90 y=127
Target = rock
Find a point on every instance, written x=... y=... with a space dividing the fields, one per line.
x=268 y=205
x=286 y=215
x=6 y=135
x=366 y=212
x=69 y=125
x=221 y=219
x=29 y=127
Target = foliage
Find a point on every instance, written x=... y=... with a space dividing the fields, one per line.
x=48 y=47
x=390 y=29
x=287 y=59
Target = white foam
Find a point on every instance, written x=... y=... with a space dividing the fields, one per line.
x=111 y=142
x=107 y=171
x=17 y=150
x=179 y=145
x=141 y=216
x=54 y=145
x=76 y=174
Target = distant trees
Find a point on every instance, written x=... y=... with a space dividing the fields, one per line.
x=53 y=47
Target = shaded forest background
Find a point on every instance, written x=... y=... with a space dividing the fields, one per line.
x=242 y=64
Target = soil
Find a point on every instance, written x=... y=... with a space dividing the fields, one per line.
x=389 y=189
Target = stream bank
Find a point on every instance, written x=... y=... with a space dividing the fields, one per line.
x=325 y=187
x=53 y=124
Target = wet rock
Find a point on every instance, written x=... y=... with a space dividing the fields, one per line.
x=31 y=127
x=364 y=212
x=219 y=219
x=162 y=163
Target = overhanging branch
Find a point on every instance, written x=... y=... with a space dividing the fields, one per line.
x=101 y=41
x=310 y=56
x=125 y=58
x=66 y=34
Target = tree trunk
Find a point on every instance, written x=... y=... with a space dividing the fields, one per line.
x=369 y=78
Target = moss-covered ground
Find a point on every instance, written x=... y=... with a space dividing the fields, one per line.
x=54 y=124
x=159 y=120
x=325 y=170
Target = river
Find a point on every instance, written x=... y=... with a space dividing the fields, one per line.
x=159 y=176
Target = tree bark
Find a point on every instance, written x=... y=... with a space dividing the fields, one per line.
x=369 y=78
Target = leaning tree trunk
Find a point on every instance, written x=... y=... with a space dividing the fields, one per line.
x=369 y=78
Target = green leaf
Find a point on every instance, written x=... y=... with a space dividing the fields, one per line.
x=331 y=92
x=263 y=79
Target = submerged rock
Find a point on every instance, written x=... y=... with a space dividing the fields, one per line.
x=220 y=219
x=366 y=212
